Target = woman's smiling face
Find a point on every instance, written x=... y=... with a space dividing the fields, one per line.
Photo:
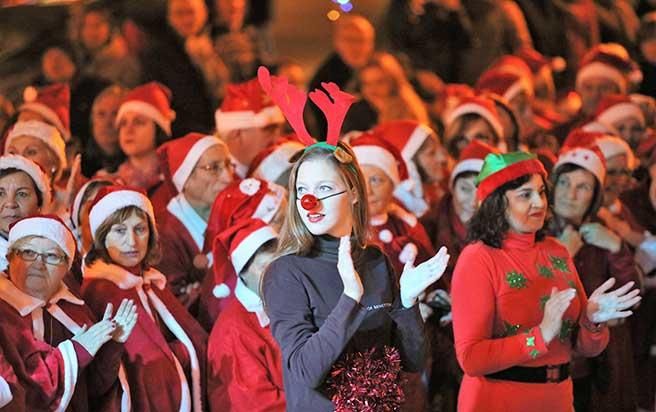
x=332 y=216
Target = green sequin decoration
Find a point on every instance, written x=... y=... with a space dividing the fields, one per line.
x=516 y=280
x=534 y=353
x=510 y=329
x=559 y=264
x=545 y=272
x=566 y=330
x=530 y=341
x=543 y=301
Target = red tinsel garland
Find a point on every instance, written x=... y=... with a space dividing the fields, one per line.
x=367 y=381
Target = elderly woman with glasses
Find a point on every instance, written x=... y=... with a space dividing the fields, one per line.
x=199 y=168
x=60 y=354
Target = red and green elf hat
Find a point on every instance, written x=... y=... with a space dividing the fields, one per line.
x=501 y=168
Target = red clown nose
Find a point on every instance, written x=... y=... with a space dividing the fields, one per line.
x=309 y=202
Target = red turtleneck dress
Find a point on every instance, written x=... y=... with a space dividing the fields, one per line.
x=498 y=303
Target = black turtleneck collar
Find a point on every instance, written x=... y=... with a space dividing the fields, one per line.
x=326 y=247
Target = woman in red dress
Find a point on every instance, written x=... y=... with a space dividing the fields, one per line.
x=519 y=308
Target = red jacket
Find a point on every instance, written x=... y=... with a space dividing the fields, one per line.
x=244 y=363
x=498 y=300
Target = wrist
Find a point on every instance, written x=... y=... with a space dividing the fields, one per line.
x=356 y=296
x=408 y=302
x=592 y=326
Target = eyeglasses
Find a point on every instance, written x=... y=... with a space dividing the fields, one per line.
x=216 y=168
x=30 y=255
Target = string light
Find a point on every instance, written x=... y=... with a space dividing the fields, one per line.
x=333 y=15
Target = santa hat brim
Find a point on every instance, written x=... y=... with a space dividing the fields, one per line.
x=49 y=115
x=48 y=134
x=620 y=111
x=115 y=201
x=195 y=153
x=586 y=159
x=246 y=119
x=44 y=227
x=474 y=108
x=467 y=165
x=379 y=157
x=147 y=110
x=597 y=69
x=33 y=170
x=277 y=163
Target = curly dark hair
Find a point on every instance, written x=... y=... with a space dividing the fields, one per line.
x=489 y=223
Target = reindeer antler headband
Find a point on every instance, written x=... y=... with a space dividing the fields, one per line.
x=292 y=102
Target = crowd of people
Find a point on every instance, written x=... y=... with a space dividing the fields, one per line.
x=461 y=217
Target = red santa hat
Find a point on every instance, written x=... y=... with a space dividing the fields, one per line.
x=372 y=149
x=580 y=148
x=614 y=146
x=510 y=64
x=273 y=162
x=46 y=133
x=245 y=106
x=506 y=84
x=481 y=106
x=47 y=226
x=79 y=196
x=33 y=170
x=237 y=245
x=249 y=198
x=113 y=198
x=616 y=107
x=471 y=159
x=610 y=61
x=536 y=61
x=179 y=156
x=152 y=100
x=406 y=135
x=53 y=103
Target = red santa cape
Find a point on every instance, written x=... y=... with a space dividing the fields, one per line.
x=26 y=314
x=151 y=361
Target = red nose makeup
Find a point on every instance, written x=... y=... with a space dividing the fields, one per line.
x=309 y=202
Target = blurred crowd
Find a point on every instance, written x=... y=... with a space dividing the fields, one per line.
x=144 y=167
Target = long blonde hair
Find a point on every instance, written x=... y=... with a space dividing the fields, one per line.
x=295 y=238
x=404 y=103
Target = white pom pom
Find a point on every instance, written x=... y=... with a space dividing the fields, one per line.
x=635 y=76
x=30 y=94
x=558 y=64
x=221 y=291
x=409 y=253
x=385 y=236
x=249 y=186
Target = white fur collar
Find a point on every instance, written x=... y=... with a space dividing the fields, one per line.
x=251 y=302
x=122 y=277
x=195 y=225
x=25 y=304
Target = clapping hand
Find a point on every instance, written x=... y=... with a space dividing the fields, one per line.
x=415 y=279
x=604 y=306
x=554 y=309
x=125 y=319
x=98 y=334
x=350 y=278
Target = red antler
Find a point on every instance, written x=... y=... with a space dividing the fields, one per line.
x=335 y=110
x=290 y=99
